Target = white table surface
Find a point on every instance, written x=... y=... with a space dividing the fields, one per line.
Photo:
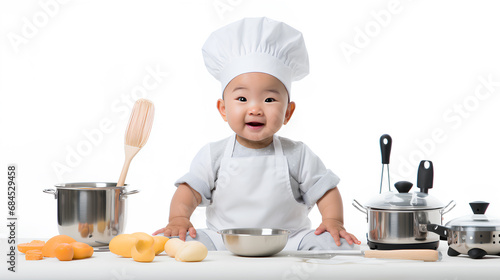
x=224 y=265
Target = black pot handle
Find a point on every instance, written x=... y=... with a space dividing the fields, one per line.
x=425 y=176
x=441 y=230
x=385 y=148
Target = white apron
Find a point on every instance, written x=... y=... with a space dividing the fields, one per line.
x=256 y=192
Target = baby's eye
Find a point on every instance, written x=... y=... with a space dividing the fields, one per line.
x=269 y=100
x=242 y=99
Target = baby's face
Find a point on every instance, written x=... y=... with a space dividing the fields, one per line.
x=256 y=106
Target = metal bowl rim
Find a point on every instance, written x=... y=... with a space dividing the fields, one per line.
x=274 y=232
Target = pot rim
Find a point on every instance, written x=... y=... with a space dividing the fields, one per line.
x=404 y=201
x=407 y=209
x=489 y=228
x=444 y=208
x=89 y=186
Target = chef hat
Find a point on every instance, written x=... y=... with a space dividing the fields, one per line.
x=256 y=45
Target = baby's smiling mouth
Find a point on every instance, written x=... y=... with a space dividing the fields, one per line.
x=254 y=124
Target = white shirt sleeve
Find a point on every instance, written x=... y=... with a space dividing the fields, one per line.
x=200 y=176
x=313 y=177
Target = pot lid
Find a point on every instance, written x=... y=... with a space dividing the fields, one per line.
x=404 y=200
x=476 y=221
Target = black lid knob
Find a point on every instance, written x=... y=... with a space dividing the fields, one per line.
x=403 y=186
x=479 y=207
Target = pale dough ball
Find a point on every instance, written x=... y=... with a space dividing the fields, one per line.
x=172 y=246
x=192 y=251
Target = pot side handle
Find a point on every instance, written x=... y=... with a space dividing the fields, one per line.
x=450 y=206
x=441 y=230
x=51 y=191
x=360 y=207
x=125 y=194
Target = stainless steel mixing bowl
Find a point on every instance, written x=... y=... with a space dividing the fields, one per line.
x=255 y=242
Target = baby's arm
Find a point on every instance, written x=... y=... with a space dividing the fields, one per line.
x=331 y=209
x=184 y=202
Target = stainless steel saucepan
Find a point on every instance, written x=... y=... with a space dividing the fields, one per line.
x=395 y=219
x=92 y=213
x=475 y=235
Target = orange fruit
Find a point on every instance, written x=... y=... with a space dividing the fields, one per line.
x=64 y=252
x=159 y=244
x=148 y=239
x=33 y=245
x=33 y=255
x=82 y=250
x=143 y=251
x=49 y=250
x=122 y=245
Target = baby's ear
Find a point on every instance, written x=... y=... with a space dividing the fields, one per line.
x=289 y=111
x=221 y=106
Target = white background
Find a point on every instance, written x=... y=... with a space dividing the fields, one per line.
x=415 y=70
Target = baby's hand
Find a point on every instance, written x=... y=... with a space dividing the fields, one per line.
x=337 y=230
x=178 y=227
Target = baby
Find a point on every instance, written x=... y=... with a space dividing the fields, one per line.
x=256 y=179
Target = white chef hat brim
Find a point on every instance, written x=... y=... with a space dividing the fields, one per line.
x=256 y=45
x=256 y=62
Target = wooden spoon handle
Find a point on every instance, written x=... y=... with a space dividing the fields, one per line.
x=419 y=254
x=130 y=152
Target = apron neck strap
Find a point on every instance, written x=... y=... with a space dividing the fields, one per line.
x=230 y=146
x=278 y=150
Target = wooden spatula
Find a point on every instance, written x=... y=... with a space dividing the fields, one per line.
x=138 y=129
x=427 y=255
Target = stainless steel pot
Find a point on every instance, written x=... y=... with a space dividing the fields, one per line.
x=395 y=219
x=390 y=229
x=92 y=213
x=474 y=235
